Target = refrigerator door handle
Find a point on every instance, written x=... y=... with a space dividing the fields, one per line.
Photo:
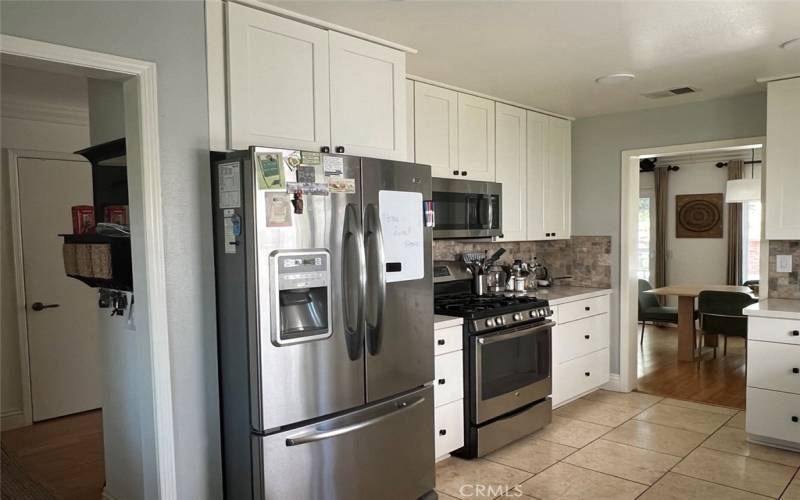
x=353 y=232
x=319 y=435
x=374 y=244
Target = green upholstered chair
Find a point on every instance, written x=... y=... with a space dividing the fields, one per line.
x=651 y=310
x=721 y=314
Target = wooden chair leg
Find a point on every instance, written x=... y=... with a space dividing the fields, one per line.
x=725 y=346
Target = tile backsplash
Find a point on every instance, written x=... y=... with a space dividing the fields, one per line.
x=586 y=258
x=784 y=285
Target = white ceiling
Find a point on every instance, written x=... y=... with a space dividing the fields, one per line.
x=547 y=54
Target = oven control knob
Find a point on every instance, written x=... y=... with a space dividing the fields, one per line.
x=499 y=320
x=517 y=317
x=490 y=322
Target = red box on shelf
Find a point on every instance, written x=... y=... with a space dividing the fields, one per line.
x=83 y=219
x=117 y=214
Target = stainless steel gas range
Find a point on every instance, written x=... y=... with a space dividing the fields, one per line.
x=507 y=360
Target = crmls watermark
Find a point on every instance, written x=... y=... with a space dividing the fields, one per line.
x=487 y=491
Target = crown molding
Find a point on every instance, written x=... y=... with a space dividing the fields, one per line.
x=25 y=109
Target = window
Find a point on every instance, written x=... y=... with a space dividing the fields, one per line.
x=646 y=244
x=751 y=240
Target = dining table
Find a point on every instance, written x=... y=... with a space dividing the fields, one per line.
x=687 y=334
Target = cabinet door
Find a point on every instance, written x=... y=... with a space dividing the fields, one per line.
x=368 y=98
x=277 y=81
x=783 y=155
x=510 y=169
x=536 y=160
x=476 y=137
x=410 y=120
x=436 y=129
x=558 y=179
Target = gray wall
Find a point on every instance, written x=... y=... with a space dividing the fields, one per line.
x=171 y=34
x=106 y=111
x=597 y=143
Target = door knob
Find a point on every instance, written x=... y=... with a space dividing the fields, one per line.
x=38 y=306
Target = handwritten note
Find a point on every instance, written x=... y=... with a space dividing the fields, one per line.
x=403 y=243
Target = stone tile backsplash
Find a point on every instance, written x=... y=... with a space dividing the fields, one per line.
x=784 y=285
x=586 y=258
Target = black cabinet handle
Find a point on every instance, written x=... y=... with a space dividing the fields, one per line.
x=325 y=149
x=795 y=333
x=588 y=308
x=38 y=306
x=455 y=172
x=587 y=373
x=441 y=381
x=440 y=342
x=794 y=418
x=547 y=235
x=795 y=370
x=463 y=172
x=587 y=336
x=554 y=235
x=339 y=149
x=442 y=432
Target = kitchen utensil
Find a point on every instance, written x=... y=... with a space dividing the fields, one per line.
x=496 y=278
x=481 y=284
x=491 y=260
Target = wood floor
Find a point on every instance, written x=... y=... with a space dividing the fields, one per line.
x=65 y=455
x=718 y=381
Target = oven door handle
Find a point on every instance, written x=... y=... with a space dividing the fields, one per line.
x=500 y=337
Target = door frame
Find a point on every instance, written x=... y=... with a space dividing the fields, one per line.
x=629 y=175
x=25 y=415
x=141 y=131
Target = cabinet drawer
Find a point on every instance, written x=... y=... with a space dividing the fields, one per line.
x=579 y=338
x=449 y=427
x=572 y=311
x=447 y=340
x=449 y=382
x=772 y=414
x=786 y=331
x=580 y=375
x=773 y=366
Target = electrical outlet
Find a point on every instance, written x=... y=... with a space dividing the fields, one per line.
x=784 y=263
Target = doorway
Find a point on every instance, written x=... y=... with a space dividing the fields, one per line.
x=653 y=356
x=135 y=379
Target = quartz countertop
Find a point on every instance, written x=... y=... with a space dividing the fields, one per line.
x=441 y=321
x=774 y=308
x=560 y=294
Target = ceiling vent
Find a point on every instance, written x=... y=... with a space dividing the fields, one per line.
x=658 y=94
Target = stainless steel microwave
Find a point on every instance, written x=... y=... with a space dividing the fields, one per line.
x=467 y=209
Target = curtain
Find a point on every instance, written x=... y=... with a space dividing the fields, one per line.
x=662 y=199
x=735 y=171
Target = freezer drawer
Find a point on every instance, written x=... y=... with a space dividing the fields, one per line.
x=385 y=451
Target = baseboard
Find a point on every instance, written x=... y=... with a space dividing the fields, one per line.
x=614 y=383
x=107 y=495
x=13 y=419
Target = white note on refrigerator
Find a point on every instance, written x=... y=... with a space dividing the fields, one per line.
x=403 y=242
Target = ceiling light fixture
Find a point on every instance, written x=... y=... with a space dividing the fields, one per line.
x=615 y=78
x=794 y=43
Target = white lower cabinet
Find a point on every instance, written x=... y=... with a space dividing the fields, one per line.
x=580 y=348
x=774 y=415
x=448 y=389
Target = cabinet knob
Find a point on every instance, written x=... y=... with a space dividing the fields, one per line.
x=795 y=333
x=325 y=149
x=587 y=373
x=440 y=342
x=794 y=418
x=441 y=381
x=455 y=172
x=547 y=235
x=587 y=336
x=442 y=432
x=463 y=172
x=795 y=370
x=340 y=149
x=554 y=235
x=588 y=308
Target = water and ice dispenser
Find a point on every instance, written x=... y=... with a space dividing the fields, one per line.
x=300 y=296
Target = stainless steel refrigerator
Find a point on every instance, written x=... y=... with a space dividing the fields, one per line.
x=325 y=313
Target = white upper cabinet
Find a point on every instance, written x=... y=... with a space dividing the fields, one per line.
x=368 y=98
x=476 y=140
x=510 y=169
x=436 y=129
x=536 y=147
x=782 y=203
x=558 y=179
x=277 y=81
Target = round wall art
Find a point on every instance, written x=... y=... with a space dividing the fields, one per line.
x=699 y=215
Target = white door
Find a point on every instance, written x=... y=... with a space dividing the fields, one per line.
x=368 y=98
x=558 y=179
x=511 y=169
x=277 y=81
x=476 y=137
x=536 y=146
x=436 y=129
x=63 y=344
x=782 y=204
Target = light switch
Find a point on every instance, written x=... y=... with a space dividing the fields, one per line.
x=784 y=263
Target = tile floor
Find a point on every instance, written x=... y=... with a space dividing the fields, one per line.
x=610 y=445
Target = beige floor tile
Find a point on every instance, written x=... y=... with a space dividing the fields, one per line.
x=621 y=460
x=734 y=440
x=571 y=432
x=721 y=410
x=597 y=413
x=476 y=478
x=793 y=491
x=567 y=482
x=737 y=422
x=679 y=487
x=638 y=400
x=531 y=454
x=683 y=418
x=739 y=472
x=656 y=437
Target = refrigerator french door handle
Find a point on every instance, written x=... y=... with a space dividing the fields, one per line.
x=319 y=435
x=352 y=229
x=374 y=236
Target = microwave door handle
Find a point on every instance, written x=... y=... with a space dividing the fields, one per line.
x=354 y=232
x=491 y=339
x=374 y=243
x=491 y=212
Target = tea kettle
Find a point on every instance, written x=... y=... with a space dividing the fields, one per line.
x=541 y=274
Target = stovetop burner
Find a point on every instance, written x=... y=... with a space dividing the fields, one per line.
x=469 y=305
